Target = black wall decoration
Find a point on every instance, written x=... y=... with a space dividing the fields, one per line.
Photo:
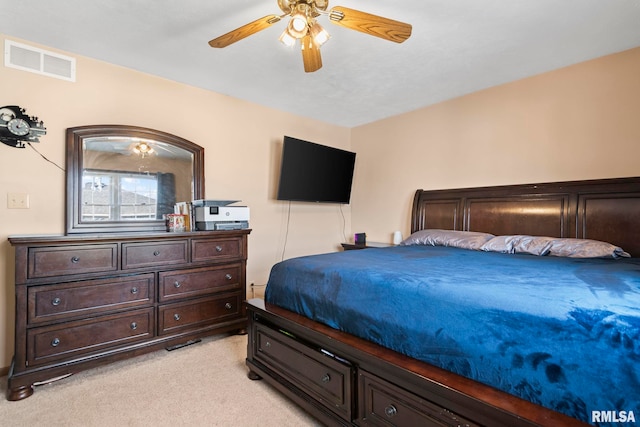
x=17 y=128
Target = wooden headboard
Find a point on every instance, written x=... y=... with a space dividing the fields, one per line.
x=605 y=209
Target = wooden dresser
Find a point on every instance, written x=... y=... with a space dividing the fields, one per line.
x=82 y=301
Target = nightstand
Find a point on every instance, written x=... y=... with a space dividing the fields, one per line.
x=354 y=246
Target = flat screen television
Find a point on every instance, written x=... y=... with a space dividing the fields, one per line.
x=312 y=172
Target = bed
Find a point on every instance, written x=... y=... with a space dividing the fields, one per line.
x=474 y=320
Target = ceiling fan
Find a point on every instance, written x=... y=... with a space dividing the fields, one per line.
x=303 y=26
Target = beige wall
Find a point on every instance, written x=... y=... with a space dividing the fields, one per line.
x=242 y=144
x=574 y=123
x=579 y=122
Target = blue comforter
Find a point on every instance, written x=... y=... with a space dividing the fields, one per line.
x=560 y=332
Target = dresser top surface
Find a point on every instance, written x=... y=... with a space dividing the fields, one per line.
x=31 y=239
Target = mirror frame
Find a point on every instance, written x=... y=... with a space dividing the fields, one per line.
x=75 y=138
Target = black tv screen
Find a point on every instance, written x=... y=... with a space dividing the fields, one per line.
x=312 y=172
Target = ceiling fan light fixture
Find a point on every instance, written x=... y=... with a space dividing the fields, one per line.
x=319 y=34
x=143 y=149
x=298 y=25
x=287 y=39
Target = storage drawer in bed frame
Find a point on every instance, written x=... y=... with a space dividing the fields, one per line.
x=345 y=381
x=330 y=380
x=381 y=403
x=316 y=373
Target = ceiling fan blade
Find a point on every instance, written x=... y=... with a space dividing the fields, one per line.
x=310 y=54
x=244 y=31
x=373 y=25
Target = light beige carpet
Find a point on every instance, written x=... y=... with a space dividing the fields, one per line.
x=204 y=384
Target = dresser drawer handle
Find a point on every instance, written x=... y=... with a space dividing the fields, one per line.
x=176 y=316
x=56 y=301
x=390 y=411
x=134 y=290
x=177 y=284
x=228 y=276
x=218 y=248
x=156 y=253
x=228 y=306
x=134 y=326
x=326 y=378
x=55 y=342
x=75 y=259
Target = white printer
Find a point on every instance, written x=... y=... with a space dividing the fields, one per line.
x=218 y=215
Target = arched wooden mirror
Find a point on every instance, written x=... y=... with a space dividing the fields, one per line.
x=125 y=178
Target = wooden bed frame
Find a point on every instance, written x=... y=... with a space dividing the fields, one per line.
x=344 y=380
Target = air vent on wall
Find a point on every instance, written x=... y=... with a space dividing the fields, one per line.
x=29 y=58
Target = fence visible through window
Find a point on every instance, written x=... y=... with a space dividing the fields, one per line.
x=117 y=196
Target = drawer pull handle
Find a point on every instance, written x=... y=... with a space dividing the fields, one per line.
x=75 y=259
x=267 y=344
x=156 y=253
x=218 y=248
x=134 y=290
x=55 y=342
x=177 y=284
x=228 y=276
x=56 y=301
x=228 y=306
x=176 y=316
x=134 y=326
x=390 y=411
x=326 y=378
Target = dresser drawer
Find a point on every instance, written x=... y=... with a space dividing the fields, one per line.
x=73 y=339
x=57 y=302
x=150 y=254
x=318 y=374
x=76 y=259
x=217 y=249
x=177 y=317
x=384 y=404
x=194 y=282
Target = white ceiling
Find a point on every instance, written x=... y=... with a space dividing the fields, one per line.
x=457 y=47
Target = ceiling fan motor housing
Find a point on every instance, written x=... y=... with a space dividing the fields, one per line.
x=291 y=6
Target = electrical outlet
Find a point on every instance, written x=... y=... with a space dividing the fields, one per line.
x=17 y=201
